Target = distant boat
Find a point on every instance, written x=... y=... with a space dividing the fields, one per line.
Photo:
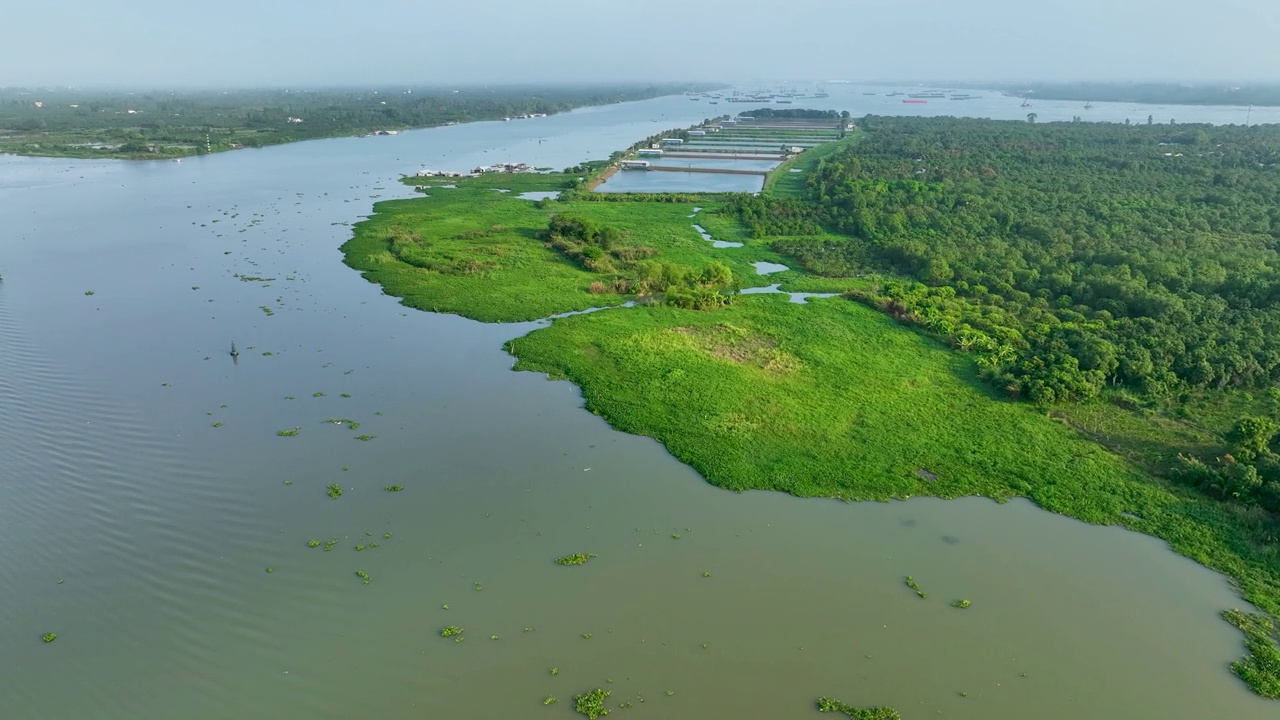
x=234 y=351
x=1025 y=103
x=1088 y=106
x=915 y=101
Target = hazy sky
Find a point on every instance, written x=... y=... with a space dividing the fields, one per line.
x=318 y=42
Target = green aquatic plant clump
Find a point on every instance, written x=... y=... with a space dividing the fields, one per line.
x=450 y=631
x=334 y=491
x=1261 y=667
x=961 y=604
x=49 y=637
x=575 y=559
x=393 y=488
x=591 y=703
x=288 y=433
x=911 y=583
x=829 y=705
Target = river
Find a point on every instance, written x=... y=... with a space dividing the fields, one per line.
x=171 y=555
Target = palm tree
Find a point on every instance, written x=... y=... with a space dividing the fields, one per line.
x=1031 y=117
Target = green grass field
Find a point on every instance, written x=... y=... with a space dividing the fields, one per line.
x=476 y=252
x=782 y=182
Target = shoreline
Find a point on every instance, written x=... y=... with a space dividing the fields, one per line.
x=192 y=141
x=764 y=350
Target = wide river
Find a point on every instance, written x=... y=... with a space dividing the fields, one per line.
x=153 y=519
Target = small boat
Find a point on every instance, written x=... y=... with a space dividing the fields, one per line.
x=234 y=351
x=915 y=101
x=1088 y=106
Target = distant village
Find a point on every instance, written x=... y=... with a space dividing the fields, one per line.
x=481 y=170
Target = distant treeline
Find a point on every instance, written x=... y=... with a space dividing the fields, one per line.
x=56 y=122
x=797 y=114
x=1155 y=93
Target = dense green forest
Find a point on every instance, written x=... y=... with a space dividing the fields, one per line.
x=1073 y=259
x=1155 y=93
x=600 y=249
x=797 y=114
x=125 y=124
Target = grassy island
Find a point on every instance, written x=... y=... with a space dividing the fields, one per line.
x=857 y=397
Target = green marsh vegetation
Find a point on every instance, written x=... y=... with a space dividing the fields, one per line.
x=1261 y=667
x=450 y=631
x=88 y=292
x=288 y=433
x=829 y=398
x=334 y=491
x=791 y=396
x=911 y=583
x=365 y=438
x=393 y=488
x=49 y=637
x=575 y=559
x=828 y=705
x=494 y=257
x=591 y=703
x=961 y=604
